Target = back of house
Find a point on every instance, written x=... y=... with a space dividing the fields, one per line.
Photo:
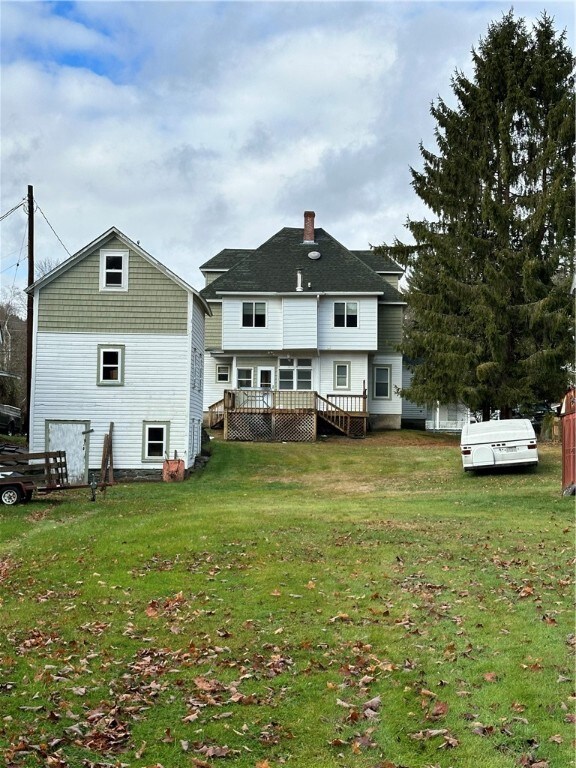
x=499 y=443
x=118 y=338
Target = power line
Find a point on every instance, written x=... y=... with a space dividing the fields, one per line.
x=52 y=228
x=17 y=264
x=5 y=215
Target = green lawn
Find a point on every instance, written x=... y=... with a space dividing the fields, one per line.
x=350 y=603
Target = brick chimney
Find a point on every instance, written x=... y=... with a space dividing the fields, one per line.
x=309 y=226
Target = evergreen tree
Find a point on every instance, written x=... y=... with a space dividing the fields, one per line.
x=489 y=276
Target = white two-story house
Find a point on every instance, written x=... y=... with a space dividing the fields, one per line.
x=118 y=339
x=303 y=313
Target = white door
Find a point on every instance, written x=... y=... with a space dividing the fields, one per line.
x=72 y=437
x=266 y=378
x=265 y=382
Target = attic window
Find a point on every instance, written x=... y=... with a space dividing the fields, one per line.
x=113 y=270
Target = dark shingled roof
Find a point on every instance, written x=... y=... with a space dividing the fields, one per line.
x=378 y=262
x=272 y=267
x=226 y=259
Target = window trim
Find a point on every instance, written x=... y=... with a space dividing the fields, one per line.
x=346 y=315
x=124 y=254
x=388 y=368
x=146 y=425
x=348 y=365
x=100 y=380
x=245 y=368
x=227 y=379
x=254 y=315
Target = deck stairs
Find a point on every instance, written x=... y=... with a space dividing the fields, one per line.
x=349 y=421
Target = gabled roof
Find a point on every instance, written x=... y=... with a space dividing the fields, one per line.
x=99 y=242
x=225 y=260
x=273 y=266
x=379 y=263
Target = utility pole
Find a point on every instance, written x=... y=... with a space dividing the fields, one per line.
x=30 y=308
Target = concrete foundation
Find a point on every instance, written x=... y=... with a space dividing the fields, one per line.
x=383 y=421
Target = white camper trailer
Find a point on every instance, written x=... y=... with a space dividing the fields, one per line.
x=500 y=443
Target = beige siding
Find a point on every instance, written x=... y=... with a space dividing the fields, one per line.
x=389 y=327
x=213 y=333
x=392 y=280
x=209 y=277
x=153 y=302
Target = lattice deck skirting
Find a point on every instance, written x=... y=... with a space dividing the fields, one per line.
x=270 y=427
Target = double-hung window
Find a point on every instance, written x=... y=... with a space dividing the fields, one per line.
x=345 y=314
x=223 y=373
x=341 y=375
x=253 y=314
x=113 y=270
x=244 y=378
x=110 y=365
x=155 y=440
x=382 y=382
x=295 y=373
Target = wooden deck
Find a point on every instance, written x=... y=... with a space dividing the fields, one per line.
x=268 y=415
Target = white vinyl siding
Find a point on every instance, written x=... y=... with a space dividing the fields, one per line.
x=362 y=337
x=358 y=377
x=196 y=387
x=236 y=337
x=156 y=389
x=300 y=323
x=393 y=404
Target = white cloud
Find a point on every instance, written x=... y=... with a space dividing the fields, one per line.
x=198 y=126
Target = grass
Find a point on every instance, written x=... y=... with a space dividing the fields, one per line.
x=359 y=604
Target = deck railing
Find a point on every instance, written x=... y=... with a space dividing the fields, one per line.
x=269 y=399
x=345 y=412
x=351 y=403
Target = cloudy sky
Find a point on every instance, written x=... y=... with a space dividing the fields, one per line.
x=196 y=126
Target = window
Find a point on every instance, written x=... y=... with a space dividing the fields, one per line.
x=244 y=378
x=223 y=373
x=155 y=441
x=253 y=314
x=345 y=314
x=341 y=375
x=110 y=365
x=382 y=381
x=295 y=374
x=113 y=270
